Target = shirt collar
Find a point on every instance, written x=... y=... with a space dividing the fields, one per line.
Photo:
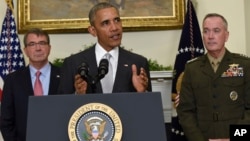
x=44 y=70
x=100 y=52
x=214 y=60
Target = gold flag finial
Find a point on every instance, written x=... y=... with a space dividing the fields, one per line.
x=10 y=5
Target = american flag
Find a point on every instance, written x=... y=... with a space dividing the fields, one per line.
x=190 y=46
x=11 y=57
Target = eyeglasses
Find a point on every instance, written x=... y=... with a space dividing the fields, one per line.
x=41 y=44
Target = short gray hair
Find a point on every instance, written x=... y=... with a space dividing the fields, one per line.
x=217 y=15
x=38 y=32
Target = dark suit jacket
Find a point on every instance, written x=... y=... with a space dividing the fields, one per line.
x=210 y=102
x=123 y=79
x=17 y=88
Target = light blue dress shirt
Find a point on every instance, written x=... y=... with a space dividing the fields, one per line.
x=44 y=77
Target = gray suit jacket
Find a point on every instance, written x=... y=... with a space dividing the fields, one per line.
x=123 y=79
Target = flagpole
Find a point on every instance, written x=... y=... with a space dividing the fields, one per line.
x=11 y=56
x=190 y=46
x=10 y=5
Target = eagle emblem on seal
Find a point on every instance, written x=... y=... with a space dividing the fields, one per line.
x=95 y=128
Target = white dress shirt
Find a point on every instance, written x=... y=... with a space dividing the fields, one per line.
x=100 y=52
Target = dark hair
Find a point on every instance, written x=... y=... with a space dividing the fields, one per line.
x=216 y=15
x=38 y=32
x=98 y=7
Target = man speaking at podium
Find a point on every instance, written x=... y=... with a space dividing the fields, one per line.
x=105 y=67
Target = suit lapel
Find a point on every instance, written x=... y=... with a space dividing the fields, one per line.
x=54 y=80
x=123 y=71
x=225 y=62
x=26 y=81
x=91 y=60
x=224 y=65
x=93 y=69
x=206 y=67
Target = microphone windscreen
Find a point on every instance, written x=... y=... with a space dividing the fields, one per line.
x=103 y=68
x=83 y=70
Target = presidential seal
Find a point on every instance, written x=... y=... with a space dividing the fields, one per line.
x=95 y=122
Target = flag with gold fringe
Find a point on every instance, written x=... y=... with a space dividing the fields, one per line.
x=11 y=56
x=190 y=46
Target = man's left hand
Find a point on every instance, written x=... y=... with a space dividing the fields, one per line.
x=140 y=81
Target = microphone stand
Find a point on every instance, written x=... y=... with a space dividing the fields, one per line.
x=92 y=81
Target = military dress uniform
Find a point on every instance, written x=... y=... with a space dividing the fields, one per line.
x=212 y=100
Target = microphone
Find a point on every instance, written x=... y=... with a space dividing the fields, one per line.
x=103 y=68
x=83 y=70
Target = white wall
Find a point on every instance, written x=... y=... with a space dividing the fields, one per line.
x=233 y=11
x=160 y=45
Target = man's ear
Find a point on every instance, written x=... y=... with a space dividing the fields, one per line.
x=92 y=31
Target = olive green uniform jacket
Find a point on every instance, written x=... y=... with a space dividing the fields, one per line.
x=209 y=101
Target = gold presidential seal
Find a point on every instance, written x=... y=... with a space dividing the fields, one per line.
x=95 y=122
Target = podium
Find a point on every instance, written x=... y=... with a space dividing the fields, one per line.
x=141 y=115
